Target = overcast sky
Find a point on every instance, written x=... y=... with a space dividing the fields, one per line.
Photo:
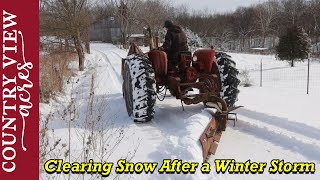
x=216 y=5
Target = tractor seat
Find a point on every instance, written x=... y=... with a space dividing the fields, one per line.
x=184 y=53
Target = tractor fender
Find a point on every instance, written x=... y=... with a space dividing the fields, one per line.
x=203 y=59
x=159 y=62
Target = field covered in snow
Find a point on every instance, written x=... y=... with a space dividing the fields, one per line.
x=278 y=121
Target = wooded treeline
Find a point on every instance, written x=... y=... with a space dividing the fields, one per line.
x=256 y=26
x=248 y=27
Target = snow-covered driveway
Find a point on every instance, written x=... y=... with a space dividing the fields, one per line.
x=270 y=126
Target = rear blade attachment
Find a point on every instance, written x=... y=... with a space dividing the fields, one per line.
x=210 y=138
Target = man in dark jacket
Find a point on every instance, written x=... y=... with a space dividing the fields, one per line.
x=175 y=41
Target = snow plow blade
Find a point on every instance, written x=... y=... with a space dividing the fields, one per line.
x=210 y=138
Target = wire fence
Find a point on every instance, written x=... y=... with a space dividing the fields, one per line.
x=303 y=78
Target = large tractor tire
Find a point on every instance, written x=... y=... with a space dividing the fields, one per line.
x=229 y=78
x=138 y=88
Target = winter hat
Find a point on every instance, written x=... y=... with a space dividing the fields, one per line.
x=168 y=24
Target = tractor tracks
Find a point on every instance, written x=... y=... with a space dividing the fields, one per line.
x=114 y=74
x=293 y=136
x=107 y=60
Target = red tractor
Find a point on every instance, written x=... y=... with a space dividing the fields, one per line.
x=207 y=77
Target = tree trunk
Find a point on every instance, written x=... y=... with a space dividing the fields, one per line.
x=242 y=44
x=273 y=42
x=80 y=51
x=124 y=40
x=317 y=45
x=81 y=61
x=67 y=46
x=87 y=46
x=263 y=40
x=87 y=40
x=292 y=63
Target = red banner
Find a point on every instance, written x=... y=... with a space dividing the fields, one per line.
x=20 y=83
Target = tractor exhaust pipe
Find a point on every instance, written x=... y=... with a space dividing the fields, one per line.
x=157 y=42
x=151 y=44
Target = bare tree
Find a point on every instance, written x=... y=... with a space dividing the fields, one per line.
x=124 y=12
x=69 y=19
x=153 y=13
x=243 y=24
x=293 y=10
x=202 y=23
x=315 y=22
x=266 y=14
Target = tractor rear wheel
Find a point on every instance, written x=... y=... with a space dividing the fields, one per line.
x=138 y=88
x=229 y=80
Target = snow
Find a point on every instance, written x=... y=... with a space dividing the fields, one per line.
x=277 y=122
x=136 y=35
x=259 y=49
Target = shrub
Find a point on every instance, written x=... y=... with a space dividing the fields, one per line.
x=245 y=78
x=53 y=71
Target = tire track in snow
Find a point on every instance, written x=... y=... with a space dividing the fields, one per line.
x=291 y=127
x=116 y=54
x=105 y=80
x=289 y=138
x=283 y=123
x=107 y=60
x=112 y=72
x=309 y=151
x=113 y=55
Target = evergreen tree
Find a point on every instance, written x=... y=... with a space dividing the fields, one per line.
x=295 y=45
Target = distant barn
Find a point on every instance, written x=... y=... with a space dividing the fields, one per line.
x=106 y=30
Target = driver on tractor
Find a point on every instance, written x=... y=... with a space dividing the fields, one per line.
x=175 y=41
